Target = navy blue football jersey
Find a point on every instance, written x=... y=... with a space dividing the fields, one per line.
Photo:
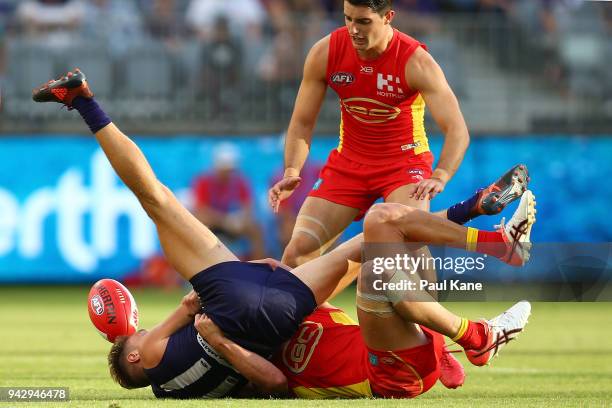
x=191 y=368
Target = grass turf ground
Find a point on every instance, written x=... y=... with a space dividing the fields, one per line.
x=563 y=359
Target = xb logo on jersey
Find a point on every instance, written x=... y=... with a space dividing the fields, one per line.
x=368 y=110
x=366 y=70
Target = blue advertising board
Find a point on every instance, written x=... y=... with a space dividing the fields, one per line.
x=65 y=216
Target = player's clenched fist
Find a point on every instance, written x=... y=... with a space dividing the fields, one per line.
x=206 y=327
x=282 y=190
x=191 y=302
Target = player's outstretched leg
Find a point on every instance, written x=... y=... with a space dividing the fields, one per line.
x=391 y=320
x=481 y=340
x=379 y=295
x=391 y=222
x=189 y=246
x=493 y=199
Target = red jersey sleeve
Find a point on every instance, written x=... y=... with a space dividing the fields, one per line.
x=201 y=192
x=245 y=191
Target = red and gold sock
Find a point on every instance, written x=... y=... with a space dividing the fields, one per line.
x=471 y=335
x=486 y=242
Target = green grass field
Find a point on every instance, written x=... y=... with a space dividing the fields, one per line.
x=563 y=359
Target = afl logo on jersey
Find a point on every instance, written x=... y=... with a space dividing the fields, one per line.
x=342 y=78
x=368 y=110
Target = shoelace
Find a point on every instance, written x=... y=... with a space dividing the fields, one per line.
x=502 y=338
x=445 y=353
x=448 y=351
x=516 y=232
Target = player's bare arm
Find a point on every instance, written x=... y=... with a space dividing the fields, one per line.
x=154 y=341
x=262 y=374
x=183 y=315
x=306 y=110
x=426 y=76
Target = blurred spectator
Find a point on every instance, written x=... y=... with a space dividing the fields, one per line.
x=283 y=60
x=163 y=23
x=7 y=7
x=2 y=63
x=310 y=16
x=417 y=17
x=607 y=20
x=56 y=22
x=156 y=272
x=246 y=16
x=280 y=69
x=333 y=7
x=115 y=23
x=7 y=11
x=537 y=19
x=220 y=78
x=289 y=208
x=222 y=201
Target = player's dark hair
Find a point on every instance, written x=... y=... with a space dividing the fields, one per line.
x=118 y=366
x=378 y=6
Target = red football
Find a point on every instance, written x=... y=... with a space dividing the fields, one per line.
x=112 y=309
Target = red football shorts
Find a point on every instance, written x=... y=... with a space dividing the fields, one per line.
x=406 y=373
x=356 y=185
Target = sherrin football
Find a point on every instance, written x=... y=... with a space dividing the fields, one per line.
x=112 y=309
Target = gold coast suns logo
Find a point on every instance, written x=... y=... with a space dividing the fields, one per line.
x=368 y=110
x=298 y=351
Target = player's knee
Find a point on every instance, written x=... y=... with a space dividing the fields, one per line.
x=380 y=214
x=300 y=249
x=385 y=212
x=154 y=202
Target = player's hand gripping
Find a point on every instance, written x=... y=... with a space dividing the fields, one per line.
x=428 y=187
x=191 y=302
x=282 y=190
x=207 y=329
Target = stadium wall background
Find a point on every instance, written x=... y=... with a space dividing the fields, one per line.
x=65 y=217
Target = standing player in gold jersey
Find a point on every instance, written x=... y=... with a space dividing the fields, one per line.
x=384 y=80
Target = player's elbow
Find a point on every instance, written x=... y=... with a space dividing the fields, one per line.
x=462 y=136
x=457 y=132
x=274 y=384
